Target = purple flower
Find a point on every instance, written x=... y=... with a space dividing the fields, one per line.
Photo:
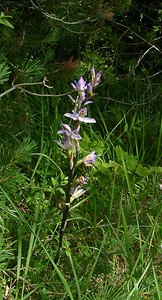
x=77 y=192
x=95 y=77
x=89 y=89
x=92 y=70
x=68 y=136
x=81 y=116
x=71 y=133
x=89 y=159
x=80 y=85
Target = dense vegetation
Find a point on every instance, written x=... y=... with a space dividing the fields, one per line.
x=113 y=240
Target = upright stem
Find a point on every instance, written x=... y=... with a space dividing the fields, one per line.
x=65 y=215
x=79 y=113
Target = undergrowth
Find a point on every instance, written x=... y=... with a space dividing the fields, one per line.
x=112 y=244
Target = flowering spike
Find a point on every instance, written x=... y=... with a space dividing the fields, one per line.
x=70 y=143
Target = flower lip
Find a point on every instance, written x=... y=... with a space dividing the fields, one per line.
x=83 y=112
x=80 y=116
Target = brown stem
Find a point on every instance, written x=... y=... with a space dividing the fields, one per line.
x=64 y=216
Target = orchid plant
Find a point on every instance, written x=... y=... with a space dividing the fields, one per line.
x=70 y=143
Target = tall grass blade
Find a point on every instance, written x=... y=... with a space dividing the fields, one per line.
x=74 y=272
x=95 y=262
x=158 y=289
x=65 y=284
x=136 y=286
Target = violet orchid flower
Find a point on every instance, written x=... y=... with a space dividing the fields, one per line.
x=80 y=116
x=71 y=133
x=68 y=136
x=89 y=159
x=80 y=85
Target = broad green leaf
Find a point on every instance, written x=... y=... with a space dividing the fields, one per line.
x=142 y=171
x=157 y=170
x=116 y=166
x=6 y=23
x=131 y=161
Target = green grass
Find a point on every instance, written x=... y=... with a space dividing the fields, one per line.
x=112 y=244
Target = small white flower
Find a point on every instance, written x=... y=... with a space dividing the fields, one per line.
x=78 y=192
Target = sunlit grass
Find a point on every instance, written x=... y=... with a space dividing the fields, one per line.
x=112 y=244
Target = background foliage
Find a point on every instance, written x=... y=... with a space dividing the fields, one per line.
x=113 y=240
